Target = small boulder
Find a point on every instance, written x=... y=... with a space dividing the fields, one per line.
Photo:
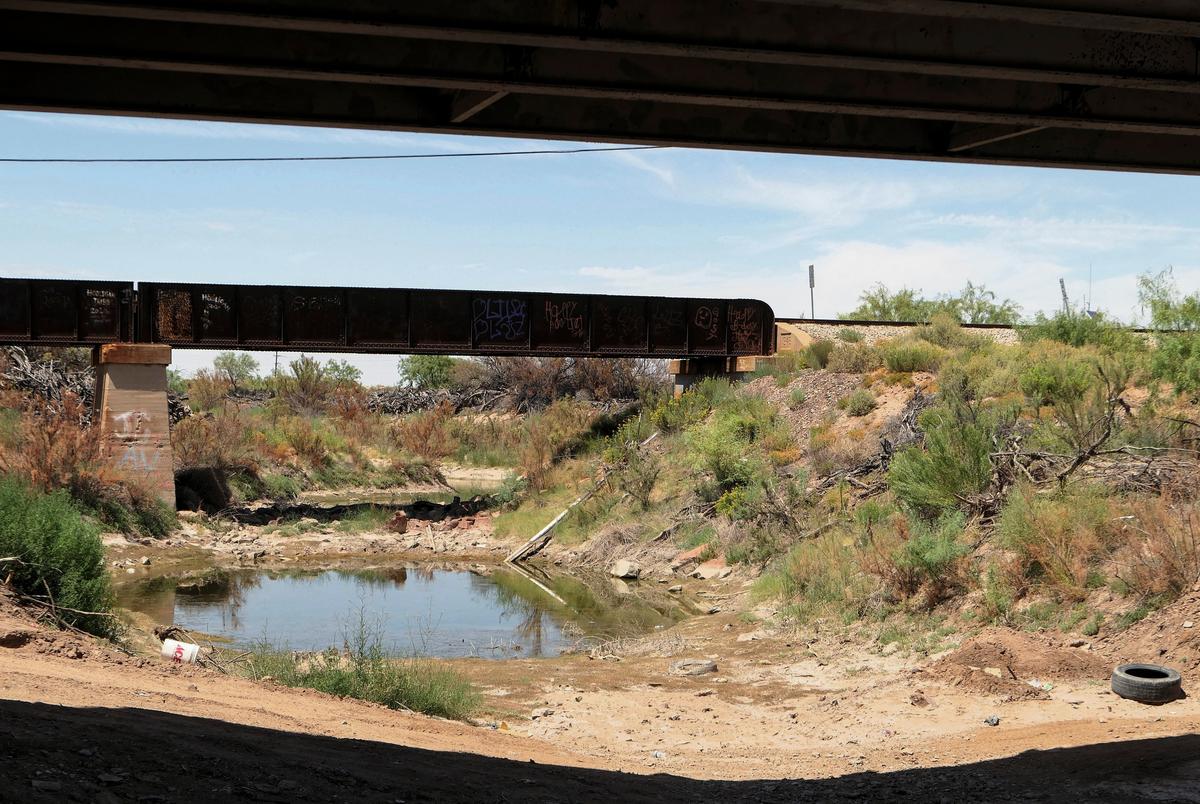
x=692 y=667
x=712 y=569
x=676 y=588
x=624 y=568
x=398 y=523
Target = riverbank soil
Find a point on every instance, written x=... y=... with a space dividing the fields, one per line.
x=786 y=716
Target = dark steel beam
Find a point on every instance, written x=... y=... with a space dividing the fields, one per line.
x=1079 y=83
x=382 y=320
x=817 y=37
x=484 y=75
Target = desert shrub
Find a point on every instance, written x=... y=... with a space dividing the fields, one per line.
x=797 y=398
x=1164 y=555
x=1082 y=329
x=1056 y=372
x=907 y=354
x=426 y=434
x=854 y=358
x=859 y=402
x=305 y=388
x=485 y=439
x=280 y=487
x=221 y=441
x=819 y=576
x=955 y=462
x=60 y=557
x=636 y=470
x=369 y=674
x=675 y=414
x=206 y=390
x=944 y=330
x=342 y=374
x=546 y=434
x=52 y=447
x=818 y=352
x=911 y=556
x=310 y=444
x=730 y=445
x=847 y=335
x=1058 y=540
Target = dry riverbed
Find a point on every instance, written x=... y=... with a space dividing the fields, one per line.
x=813 y=714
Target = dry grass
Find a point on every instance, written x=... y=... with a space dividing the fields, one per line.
x=427 y=434
x=1165 y=553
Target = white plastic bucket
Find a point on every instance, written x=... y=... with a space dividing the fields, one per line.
x=180 y=652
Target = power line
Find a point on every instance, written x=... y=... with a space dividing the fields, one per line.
x=364 y=157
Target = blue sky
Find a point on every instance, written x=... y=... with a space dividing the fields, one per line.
x=673 y=221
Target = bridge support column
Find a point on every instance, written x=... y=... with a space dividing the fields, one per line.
x=692 y=370
x=131 y=407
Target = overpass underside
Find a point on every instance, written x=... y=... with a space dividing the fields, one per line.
x=1074 y=83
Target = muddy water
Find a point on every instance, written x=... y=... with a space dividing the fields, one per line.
x=420 y=610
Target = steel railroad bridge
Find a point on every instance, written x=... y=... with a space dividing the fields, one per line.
x=1106 y=84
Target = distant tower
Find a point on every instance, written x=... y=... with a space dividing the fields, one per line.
x=1062 y=285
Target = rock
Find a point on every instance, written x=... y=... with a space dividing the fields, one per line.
x=676 y=588
x=713 y=610
x=47 y=785
x=1078 y=643
x=991 y=720
x=994 y=671
x=624 y=568
x=398 y=523
x=712 y=569
x=692 y=667
x=687 y=558
x=1188 y=624
x=890 y=648
x=145 y=561
x=545 y=711
x=751 y=636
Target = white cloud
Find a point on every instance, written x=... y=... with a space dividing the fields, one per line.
x=1094 y=234
x=646 y=164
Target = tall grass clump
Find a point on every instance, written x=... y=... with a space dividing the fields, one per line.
x=363 y=670
x=59 y=555
x=819 y=577
x=908 y=354
x=911 y=556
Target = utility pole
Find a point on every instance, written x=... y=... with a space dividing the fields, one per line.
x=812 y=283
x=1062 y=285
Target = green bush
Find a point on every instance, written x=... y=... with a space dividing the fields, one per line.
x=944 y=330
x=854 y=358
x=847 y=335
x=859 y=403
x=1060 y=374
x=818 y=354
x=955 y=462
x=731 y=444
x=912 y=355
x=59 y=554
x=1081 y=329
x=797 y=398
x=927 y=559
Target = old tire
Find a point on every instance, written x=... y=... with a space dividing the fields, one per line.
x=1146 y=683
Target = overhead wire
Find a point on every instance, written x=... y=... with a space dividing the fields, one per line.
x=344 y=158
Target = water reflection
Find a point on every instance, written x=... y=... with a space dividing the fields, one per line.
x=422 y=609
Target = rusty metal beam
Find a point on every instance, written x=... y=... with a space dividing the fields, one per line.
x=381 y=320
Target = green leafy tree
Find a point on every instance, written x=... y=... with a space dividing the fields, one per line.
x=239 y=368
x=974 y=304
x=1177 y=319
x=426 y=371
x=342 y=374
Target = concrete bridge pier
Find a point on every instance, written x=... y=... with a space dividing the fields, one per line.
x=686 y=373
x=131 y=408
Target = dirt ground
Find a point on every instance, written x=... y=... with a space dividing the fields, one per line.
x=785 y=717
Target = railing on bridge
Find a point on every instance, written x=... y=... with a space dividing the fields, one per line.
x=387 y=320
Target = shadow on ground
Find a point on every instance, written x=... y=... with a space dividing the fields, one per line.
x=52 y=753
